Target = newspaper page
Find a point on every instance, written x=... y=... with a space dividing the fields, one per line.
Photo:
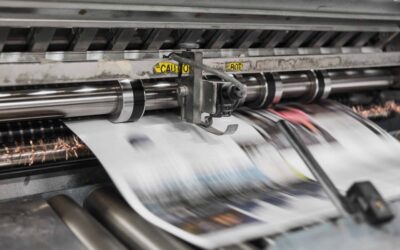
x=208 y=190
x=348 y=147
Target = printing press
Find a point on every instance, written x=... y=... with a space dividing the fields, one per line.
x=201 y=60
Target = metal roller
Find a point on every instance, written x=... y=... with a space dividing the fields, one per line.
x=359 y=80
x=122 y=100
x=126 y=100
x=93 y=235
x=129 y=227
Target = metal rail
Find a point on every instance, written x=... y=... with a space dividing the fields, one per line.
x=120 y=99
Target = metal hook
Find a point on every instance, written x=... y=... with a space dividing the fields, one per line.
x=230 y=129
x=207 y=125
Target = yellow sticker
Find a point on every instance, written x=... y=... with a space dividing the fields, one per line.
x=233 y=66
x=170 y=68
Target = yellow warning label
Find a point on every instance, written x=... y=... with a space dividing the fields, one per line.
x=233 y=66
x=170 y=68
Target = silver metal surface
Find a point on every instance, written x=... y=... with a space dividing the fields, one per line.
x=356 y=80
x=278 y=88
x=111 y=210
x=161 y=93
x=32 y=224
x=91 y=233
x=50 y=72
x=104 y=98
x=295 y=84
x=105 y=18
x=69 y=56
x=327 y=84
x=256 y=89
x=314 y=88
x=384 y=9
x=126 y=102
x=63 y=100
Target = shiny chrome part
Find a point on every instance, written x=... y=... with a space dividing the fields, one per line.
x=125 y=104
x=256 y=89
x=129 y=227
x=160 y=93
x=295 y=84
x=61 y=100
x=83 y=225
x=278 y=88
x=314 y=88
x=360 y=80
x=109 y=98
x=327 y=84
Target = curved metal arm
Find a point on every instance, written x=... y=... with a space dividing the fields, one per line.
x=241 y=89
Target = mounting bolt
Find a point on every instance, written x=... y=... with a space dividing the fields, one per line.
x=183 y=91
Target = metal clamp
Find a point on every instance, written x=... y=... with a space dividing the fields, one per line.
x=197 y=96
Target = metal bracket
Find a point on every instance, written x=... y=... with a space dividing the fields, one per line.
x=202 y=100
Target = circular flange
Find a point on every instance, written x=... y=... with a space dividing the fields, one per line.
x=278 y=88
x=314 y=88
x=327 y=84
x=131 y=101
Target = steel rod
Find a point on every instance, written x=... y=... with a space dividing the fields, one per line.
x=129 y=227
x=91 y=233
x=105 y=97
x=58 y=100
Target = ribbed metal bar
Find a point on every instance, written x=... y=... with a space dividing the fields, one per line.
x=218 y=39
x=247 y=39
x=40 y=39
x=82 y=39
x=121 y=39
x=156 y=39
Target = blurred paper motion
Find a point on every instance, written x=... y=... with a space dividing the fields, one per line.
x=219 y=190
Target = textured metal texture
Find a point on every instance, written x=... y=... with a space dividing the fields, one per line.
x=32 y=224
x=48 y=180
x=383 y=9
x=93 y=39
x=53 y=72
